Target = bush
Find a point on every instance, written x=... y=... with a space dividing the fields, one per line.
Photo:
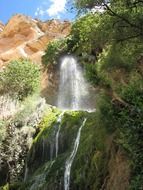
x=31 y=111
x=20 y=79
x=8 y=107
x=84 y=34
x=120 y=56
x=54 y=50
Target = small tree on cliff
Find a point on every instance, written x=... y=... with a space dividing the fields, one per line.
x=20 y=79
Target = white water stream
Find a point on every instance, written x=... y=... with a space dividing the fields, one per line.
x=71 y=159
x=58 y=132
x=73 y=95
x=73 y=89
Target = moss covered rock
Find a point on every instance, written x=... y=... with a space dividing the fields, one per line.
x=93 y=166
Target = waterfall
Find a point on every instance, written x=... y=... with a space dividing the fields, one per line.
x=73 y=89
x=41 y=178
x=58 y=132
x=26 y=173
x=71 y=158
x=54 y=144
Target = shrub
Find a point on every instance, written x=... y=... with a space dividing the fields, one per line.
x=54 y=50
x=84 y=34
x=8 y=107
x=31 y=112
x=20 y=79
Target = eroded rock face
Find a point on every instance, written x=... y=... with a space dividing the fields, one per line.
x=1 y=26
x=119 y=171
x=24 y=37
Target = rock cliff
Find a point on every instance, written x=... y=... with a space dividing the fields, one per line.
x=24 y=37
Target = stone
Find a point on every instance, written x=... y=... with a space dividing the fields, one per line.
x=24 y=37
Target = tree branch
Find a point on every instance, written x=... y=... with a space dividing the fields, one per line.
x=128 y=38
x=123 y=19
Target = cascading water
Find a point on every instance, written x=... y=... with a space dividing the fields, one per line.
x=73 y=89
x=73 y=94
x=26 y=173
x=58 y=132
x=71 y=158
x=53 y=145
x=40 y=179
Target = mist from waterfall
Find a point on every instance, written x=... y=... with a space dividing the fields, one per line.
x=73 y=89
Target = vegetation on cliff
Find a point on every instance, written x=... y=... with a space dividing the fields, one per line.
x=109 y=45
x=20 y=79
x=21 y=110
x=93 y=162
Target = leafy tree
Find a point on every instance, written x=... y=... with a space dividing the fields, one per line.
x=126 y=14
x=20 y=79
x=54 y=50
x=13 y=152
x=88 y=4
x=84 y=34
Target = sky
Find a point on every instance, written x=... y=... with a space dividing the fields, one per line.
x=41 y=9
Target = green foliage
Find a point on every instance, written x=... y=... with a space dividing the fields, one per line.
x=93 y=151
x=92 y=74
x=84 y=33
x=20 y=79
x=87 y=4
x=54 y=50
x=106 y=113
x=133 y=92
x=47 y=123
x=40 y=154
x=31 y=111
x=97 y=77
x=110 y=46
x=131 y=140
x=118 y=32
x=6 y=187
x=128 y=120
x=49 y=172
x=126 y=16
x=119 y=56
